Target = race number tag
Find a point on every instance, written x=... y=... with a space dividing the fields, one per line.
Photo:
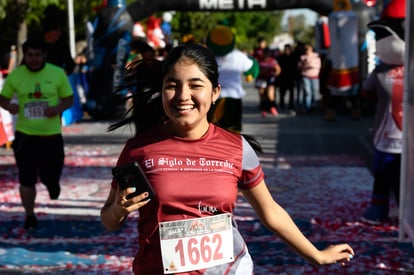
x=35 y=110
x=196 y=243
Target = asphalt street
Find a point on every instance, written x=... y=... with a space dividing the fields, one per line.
x=317 y=170
x=307 y=134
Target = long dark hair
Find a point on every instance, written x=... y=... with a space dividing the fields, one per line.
x=143 y=79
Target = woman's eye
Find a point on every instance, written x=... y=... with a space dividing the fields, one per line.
x=196 y=86
x=170 y=87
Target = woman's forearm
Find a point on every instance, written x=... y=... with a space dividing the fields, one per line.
x=283 y=225
x=111 y=218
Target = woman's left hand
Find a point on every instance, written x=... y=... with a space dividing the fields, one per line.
x=340 y=253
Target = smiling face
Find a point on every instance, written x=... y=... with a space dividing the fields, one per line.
x=187 y=97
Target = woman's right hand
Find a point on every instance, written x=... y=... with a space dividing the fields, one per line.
x=124 y=206
x=117 y=207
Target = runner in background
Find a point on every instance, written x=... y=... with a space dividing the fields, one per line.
x=266 y=82
x=43 y=92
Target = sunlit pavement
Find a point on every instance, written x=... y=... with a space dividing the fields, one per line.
x=319 y=171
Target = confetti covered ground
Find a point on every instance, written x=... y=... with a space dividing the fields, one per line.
x=325 y=194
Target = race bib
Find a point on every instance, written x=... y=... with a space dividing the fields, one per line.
x=196 y=243
x=35 y=110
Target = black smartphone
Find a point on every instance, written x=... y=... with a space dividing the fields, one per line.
x=131 y=175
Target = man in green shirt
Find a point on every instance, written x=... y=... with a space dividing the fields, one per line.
x=42 y=92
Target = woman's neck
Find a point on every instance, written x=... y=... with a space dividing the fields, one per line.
x=188 y=133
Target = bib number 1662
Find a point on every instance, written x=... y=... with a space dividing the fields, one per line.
x=187 y=247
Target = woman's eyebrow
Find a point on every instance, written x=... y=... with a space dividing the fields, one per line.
x=194 y=79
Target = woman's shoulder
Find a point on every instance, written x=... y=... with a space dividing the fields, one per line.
x=220 y=133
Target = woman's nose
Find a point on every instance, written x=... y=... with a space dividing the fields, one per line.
x=183 y=93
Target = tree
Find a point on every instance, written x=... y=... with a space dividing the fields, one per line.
x=247 y=25
x=20 y=17
x=17 y=15
x=299 y=30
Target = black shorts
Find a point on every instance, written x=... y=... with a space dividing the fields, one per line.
x=265 y=82
x=38 y=157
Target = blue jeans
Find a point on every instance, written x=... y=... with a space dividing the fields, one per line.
x=311 y=88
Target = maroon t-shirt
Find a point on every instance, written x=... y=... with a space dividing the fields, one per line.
x=191 y=178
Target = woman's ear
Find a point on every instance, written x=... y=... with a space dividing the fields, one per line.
x=216 y=93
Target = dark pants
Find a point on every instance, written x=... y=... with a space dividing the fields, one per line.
x=287 y=86
x=387 y=174
x=38 y=156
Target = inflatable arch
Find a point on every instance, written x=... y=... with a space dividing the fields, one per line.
x=114 y=24
x=143 y=8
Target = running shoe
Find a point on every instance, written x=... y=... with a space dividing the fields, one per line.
x=375 y=214
x=273 y=111
x=30 y=222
